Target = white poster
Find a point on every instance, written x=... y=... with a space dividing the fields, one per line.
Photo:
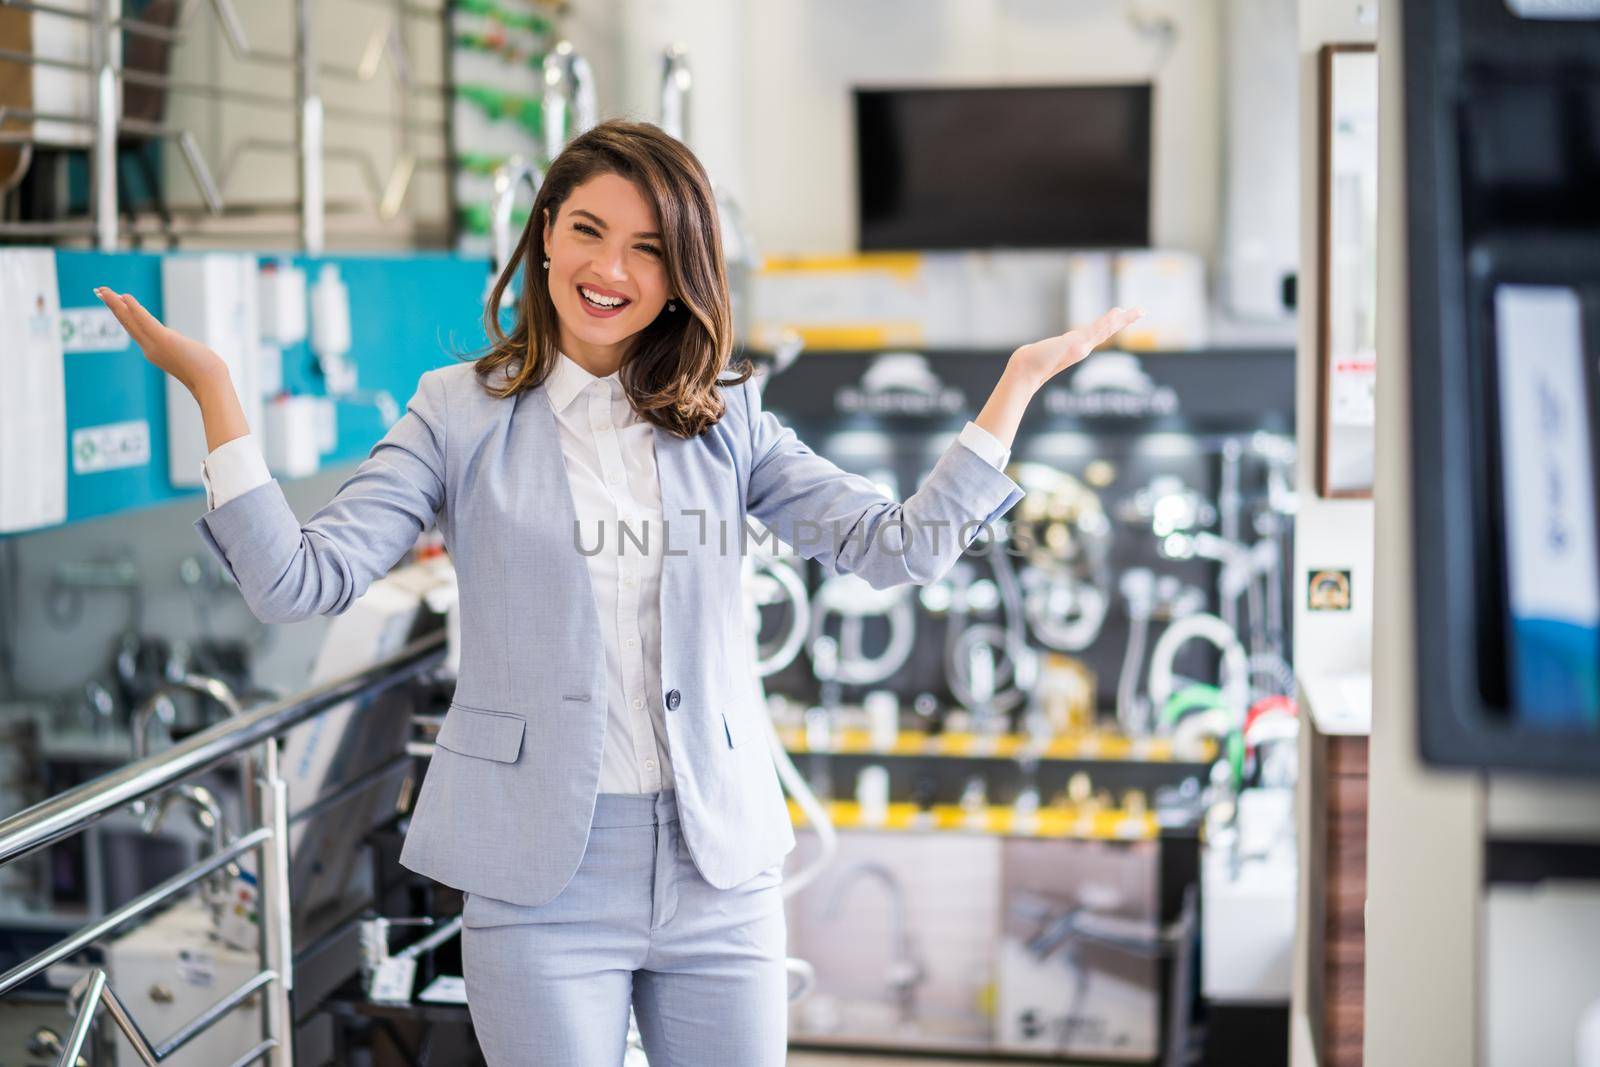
x=33 y=396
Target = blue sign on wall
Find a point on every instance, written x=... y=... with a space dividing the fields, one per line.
x=409 y=314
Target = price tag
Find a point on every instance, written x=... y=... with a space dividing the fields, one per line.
x=196 y=968
x=239 y=924
x=445 y=989
x=392 y=984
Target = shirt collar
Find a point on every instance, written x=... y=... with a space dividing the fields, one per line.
x=567 y=380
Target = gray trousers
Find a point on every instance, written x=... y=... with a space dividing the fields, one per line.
x=703 y=968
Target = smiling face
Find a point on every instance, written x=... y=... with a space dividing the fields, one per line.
x=608 y=278
x=627 y=220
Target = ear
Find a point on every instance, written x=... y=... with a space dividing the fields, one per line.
x=549 y=227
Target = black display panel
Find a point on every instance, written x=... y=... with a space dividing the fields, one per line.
x=1012 y=167
x=1503 y=237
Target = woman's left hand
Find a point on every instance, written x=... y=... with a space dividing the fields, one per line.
x=1040 y=361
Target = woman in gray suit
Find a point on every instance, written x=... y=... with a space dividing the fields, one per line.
x=599 y=789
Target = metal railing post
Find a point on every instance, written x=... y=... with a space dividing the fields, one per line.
x=308 y=134
x=277 y=928
x=107 y=114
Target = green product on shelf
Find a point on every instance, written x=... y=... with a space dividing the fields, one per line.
x=475 y=218
x=484 y=163
x=485 y=42
x=498 y=104
x=497 y=45
x=1198 y=697
x=1236 y=752
x=490 y=9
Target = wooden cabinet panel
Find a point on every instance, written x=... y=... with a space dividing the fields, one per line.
x=1339 y=848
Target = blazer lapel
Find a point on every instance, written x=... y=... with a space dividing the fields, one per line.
x=670 y=471
x=551 y=575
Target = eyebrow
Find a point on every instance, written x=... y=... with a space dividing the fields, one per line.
x=600 y=222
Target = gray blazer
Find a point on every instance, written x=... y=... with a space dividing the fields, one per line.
x=506 y=804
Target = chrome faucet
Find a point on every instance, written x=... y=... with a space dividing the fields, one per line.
x=906 y=970
x=568 y=89
x=159 y=705
x=207 y=816
x=738 y=246
x=677 y=84
x=743 y=260
x=507 y=176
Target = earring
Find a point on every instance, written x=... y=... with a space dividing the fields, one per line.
x=547 y=264
x=672 y=305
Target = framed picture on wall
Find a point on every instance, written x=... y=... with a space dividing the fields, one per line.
x=1347 y=296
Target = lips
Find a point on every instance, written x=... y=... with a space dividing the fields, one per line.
x=595 y=310
x=607 y=294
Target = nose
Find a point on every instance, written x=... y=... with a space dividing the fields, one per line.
x=611 y=263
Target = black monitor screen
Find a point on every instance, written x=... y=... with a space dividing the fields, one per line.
x=1015 y=167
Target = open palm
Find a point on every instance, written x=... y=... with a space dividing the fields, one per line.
x=1043 y=360
x=184 y=358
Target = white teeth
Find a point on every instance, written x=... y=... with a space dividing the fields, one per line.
x=601 y=301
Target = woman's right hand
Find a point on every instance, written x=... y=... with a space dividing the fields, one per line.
x=186 y=359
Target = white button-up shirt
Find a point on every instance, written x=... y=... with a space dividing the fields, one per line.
x=610 y=455
x=609 y=452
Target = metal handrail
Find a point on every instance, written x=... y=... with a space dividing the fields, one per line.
x=77 y=809
x=65 y=814
x=139 y=905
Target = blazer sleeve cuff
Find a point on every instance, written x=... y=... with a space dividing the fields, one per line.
x=984 y=491
x=245 y=534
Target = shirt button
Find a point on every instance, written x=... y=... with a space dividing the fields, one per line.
x=673 y=699
x=614 y=477
x=638 y=703
x=649 y=764
x=631 y=642
x=628 y=580
x=602 y=425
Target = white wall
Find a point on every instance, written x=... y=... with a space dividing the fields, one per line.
x=1424 y=829
x=1328 y=533
x=802 y=57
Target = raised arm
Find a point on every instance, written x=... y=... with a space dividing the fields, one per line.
x=288 y=571
x=844 y=522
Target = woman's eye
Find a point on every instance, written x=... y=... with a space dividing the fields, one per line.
x=652 y=249
x=584 y=228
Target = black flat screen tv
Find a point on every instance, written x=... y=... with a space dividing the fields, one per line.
x=1006 y=167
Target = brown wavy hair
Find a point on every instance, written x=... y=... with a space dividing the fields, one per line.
x=675 y=364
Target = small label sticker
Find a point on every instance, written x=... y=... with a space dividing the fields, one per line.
x=111 y=446
x=445 y=989
x=92 y=329
x=1328 y=590
x=196 y=968
x=1555 y=10
x=392 y=984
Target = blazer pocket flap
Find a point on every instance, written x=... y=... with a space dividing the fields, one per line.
x=736 y=720
x=489 y=735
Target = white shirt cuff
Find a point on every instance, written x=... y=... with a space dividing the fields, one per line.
x=984 y=444
x=232 y=469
